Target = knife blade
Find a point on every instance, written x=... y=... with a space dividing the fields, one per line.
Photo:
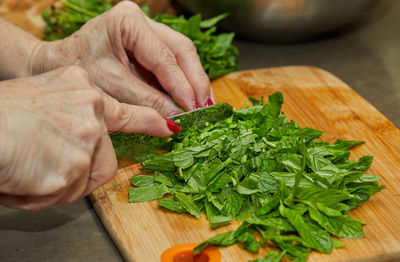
x=202 y=116
x=141 y=146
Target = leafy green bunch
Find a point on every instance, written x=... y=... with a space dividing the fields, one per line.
x=70 y=16
x=216 y=52
x=290 y=190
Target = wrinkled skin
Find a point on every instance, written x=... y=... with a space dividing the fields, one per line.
x=134 y=59
x=114 y=74
x=54 y=136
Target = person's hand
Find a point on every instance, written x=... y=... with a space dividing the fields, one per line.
x=54 y=138
x=133 y=59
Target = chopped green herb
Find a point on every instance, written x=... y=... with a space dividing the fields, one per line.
x=258 y=167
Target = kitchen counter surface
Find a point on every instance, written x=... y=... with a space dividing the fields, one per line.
x=365 y=55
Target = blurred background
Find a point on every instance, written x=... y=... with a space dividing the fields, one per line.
x=269 y=21
x=363 y=51
x=365 y=54
x=27 y=13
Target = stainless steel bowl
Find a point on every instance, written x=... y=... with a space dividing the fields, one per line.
x=281 y=20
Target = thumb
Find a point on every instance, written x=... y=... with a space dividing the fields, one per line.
x=136 y=119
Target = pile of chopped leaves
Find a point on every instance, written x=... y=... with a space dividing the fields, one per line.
x=216 y=52
x=291 y=191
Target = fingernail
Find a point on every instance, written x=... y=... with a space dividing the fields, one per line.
x=176 y=113
x=209 y=102
x=174 y=127
x=196 y=105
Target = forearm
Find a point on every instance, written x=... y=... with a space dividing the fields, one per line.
x=5 y=135
x=17 y=49
x=52 y=55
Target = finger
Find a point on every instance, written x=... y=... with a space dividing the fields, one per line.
x=120 y=83
x=28 y=202
x=187 y=59
x=75 y=191
x=155 y=56
x=104 y=165
x=144 y=75
x=136 y=119
x=33 y=202
x=214 y=100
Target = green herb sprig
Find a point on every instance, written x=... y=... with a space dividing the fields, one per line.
x=216 y=52
x=70 y=15
x=291 y=191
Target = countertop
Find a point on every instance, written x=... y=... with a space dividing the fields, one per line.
x=366 y=55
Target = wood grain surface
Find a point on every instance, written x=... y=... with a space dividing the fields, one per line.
x=313 y=98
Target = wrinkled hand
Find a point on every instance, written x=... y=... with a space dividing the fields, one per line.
x=54 y=138
x=133 y=59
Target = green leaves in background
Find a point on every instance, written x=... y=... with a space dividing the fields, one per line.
x=70 y=15
x=216 y=52
x=291 y=191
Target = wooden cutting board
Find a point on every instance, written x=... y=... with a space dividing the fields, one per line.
x=313 y=98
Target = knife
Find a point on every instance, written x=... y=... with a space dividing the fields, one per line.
x=202 y=116
x=141 y=146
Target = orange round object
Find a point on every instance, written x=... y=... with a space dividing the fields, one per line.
x=184 y=253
